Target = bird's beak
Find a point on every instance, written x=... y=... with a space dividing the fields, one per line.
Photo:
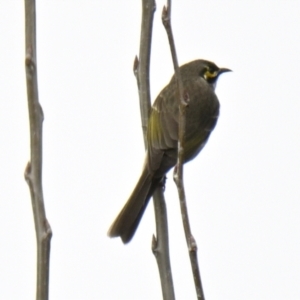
x=223 y=70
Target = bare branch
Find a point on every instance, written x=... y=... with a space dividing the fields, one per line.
x=33 y=171
x=183 y=99
x=160 y=244
x=143 y=63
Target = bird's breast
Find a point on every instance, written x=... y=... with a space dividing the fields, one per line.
x=201 y=116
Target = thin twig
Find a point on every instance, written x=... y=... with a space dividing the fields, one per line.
x=33 y=171
x=183 y=99
x=160 y=244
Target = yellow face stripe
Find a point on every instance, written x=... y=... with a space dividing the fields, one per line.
x=210 y=75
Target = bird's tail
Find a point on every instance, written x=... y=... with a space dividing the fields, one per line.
x=129 y=218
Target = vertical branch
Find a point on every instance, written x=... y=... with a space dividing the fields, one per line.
x=183 y=99
x=33 y=171
x=142 y=65
x=160 y=244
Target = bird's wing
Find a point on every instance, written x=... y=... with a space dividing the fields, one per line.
x=163 y=126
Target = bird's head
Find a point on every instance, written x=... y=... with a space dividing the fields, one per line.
x=210 y=72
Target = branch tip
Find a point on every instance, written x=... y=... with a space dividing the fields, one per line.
x=27 y=171
x=154 y=245
x=135 y=65
x=41 y=111
x=165 y=16
x=192 y=244
x=29 y=60
x=47 y=234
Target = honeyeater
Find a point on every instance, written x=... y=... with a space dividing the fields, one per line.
x=199 y=78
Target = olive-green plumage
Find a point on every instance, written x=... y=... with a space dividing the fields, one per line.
x=199 y=79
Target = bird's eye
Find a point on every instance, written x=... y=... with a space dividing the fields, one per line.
x=210 y=74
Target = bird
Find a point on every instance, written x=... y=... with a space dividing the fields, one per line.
x=199 y=78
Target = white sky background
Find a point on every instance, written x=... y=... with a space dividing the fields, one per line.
x=243 y=189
